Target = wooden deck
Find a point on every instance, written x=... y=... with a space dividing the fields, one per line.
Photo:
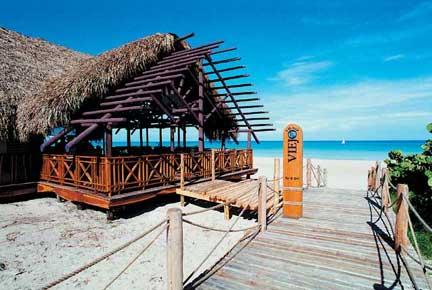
x=236 y=194
x=340 y=243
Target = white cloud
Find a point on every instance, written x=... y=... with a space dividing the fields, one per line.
x=420 y=10
x=302 y=72
x=394 y=57
x=344 y=109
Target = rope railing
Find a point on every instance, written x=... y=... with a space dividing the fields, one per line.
x=103 y=257
x=379 y=183
x=318 y=174
x=173 y=225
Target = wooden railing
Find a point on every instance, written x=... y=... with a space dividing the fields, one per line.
x=113 y=175
x=18 y=168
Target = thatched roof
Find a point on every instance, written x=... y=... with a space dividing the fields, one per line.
x=25 y=64
x=61 y=97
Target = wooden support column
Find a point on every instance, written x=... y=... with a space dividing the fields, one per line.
x=262 y=203
x=401 y=226
x=213 y=164
x=141 y=137
x=108 y=141
x=172 y=133
x=128 y=138
x=178 y=137
x=184 y=137
x=293 y=171
x=276 y=188
x=201 y=108
x=147 y=137
x=175 y=249
x=160 y=136
x=223 y=142
x=308 y=173
x=373 y=173
x=318 y=176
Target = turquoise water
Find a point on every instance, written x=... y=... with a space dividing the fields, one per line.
x=360 y=150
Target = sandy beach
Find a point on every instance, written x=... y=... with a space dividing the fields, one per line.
x=42 y=239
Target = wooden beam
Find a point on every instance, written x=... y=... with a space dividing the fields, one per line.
x=155 y=84
x=248 y=113
x=227 y=69
x=131 y=101
x=175 y=249
x=184 y=37
x=255 y=125
x=150 y=73
x=54 y=138
x=94 y=121
x=233 y=86
x=164 y=109
x=150 y=79
x=245 y=107
x=224 y=61
x=202 y=47
x=254 y=119
x=113 y=110
x=229 y=78
x=135 y=94
x=108 y=141
x=201 y=108
x=212 y=64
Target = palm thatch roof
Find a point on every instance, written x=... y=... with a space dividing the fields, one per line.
x=25 y=64
x=62 y=96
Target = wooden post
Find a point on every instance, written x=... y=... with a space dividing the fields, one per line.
x=373 y=178
x=172 y=133
x=262 y=203
x=147 y=137
x=308 y=173
x=182 y=179
x=318 y=176
x=293 y=171
x=175 y=249
x=184 y=137
x=378 y=176
x=108 y=141
x=141 y=137
x=227 y=213
x=178 y=137
x=213 y=164
x=160 y=137
x=276 y=188
x=401 y=226
x=201 y=108
x=369 y=184
x=385 y=196
x=128 y=138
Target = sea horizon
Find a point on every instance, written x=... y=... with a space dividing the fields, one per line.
x=320 y=149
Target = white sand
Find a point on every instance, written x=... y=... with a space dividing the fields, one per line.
x=349 y=174
x=42 y=239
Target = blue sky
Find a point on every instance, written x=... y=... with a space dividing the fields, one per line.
x=341 y=69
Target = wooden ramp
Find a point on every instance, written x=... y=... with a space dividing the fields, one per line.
x=341 y=243
x=237 y=194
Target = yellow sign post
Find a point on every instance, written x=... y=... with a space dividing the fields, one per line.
x=293 y=171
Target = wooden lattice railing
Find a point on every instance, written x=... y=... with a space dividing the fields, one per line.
x=113 y=175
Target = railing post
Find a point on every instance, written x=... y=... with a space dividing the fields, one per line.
x=182 y=178
x=369 y=184
x=385 y=193
x=318 y=176
x=276 y=177
x=262 y=203
x=308 y=173
x=213 y=164
x=401 y=226
x=378 y=175
x=373 y=173
x=175 y=249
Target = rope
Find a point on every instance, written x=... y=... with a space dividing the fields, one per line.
x=274 y=191
x=220 y=241
x=217 y=230
x=417 y=249
x=274 y=179
x=427 y=267
x=427 y=227
x=137 y=256
x=94 y=262
x=203 y=210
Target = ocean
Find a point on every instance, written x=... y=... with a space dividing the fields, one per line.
x=356 y=150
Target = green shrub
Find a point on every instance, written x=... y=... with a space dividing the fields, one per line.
x=415 y=170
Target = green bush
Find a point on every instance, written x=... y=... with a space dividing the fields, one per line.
x=415 y=170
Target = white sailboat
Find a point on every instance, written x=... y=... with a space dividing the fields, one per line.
x=343 y=141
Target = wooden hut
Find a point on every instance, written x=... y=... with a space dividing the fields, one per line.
x=25 y=64
x=155 y=83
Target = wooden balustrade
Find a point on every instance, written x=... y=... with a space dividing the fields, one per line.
x=113 y=175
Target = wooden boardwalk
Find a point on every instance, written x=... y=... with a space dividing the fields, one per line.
x=340 y=243
x=237 y=194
